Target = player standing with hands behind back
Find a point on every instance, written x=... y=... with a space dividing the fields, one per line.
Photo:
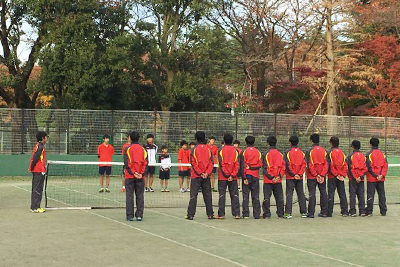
x=105 y=151
x=135 y=163
x=38 y=169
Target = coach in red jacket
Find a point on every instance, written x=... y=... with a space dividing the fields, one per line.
x=38 y=169
x=273 y=170
x=295 y=167
x=336 y=175
x=202 y=166
x=228 y=158
x=317 y=169
x=357 y=168
x=377 y=170
x=250 y=164
x=135 y=163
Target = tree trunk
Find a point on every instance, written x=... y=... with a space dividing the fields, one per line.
x=261 y=82
x=332 y=105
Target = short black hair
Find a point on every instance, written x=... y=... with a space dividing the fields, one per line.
x=356 y=144
x=294 y=140
x=334 y=141
x=211 y=137
x=200 y=136
x=314 y=138
x=134 y=136
x=250 y=140
x=183 y=142
x=271 y=140
x=236 y=142
x=40 y=135
x=228 y=138
x=374 y=142
x=192 y=144
x=164 y=147
x=150 y=136
x=106 y=136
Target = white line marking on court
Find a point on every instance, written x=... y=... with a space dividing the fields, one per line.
x=156 y=235
x=262 y=240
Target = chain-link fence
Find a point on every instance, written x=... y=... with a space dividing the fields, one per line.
x=81 y=131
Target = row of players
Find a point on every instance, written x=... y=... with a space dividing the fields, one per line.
x=321 y=167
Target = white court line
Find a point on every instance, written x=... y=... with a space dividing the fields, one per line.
x=263 y=240
x=244 y=235
x=156 y=235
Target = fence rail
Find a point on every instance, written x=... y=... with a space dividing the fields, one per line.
x=80 y=131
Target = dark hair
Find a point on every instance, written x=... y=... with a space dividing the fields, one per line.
x=334 y=141
x=106 y=136
x=128 y=134
x=192 y=144
x=294 y=140
x=228 y=139
x=134 y=136
x=271 y=140
x=164 y=147
x=200 y=136
x=40 y=136
x=314 y=138
x=374 y=142
x=211 y=137
x=150 y=136
x=250 y=140
x=183 y=142
x=236 y=142
x=222 y=142
x=356 y=144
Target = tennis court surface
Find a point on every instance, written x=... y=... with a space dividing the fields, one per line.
x=102 y=237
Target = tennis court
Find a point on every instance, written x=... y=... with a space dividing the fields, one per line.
x=102 y=237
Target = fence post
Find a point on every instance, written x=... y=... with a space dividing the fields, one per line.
x=236 y=126
x=22 y=130
x=386 y=132
x=68 y=125
x=112 y=126
x=275 y=125
x=313 y=124
x=350 y=133
x=197 y=121
x=155 y=123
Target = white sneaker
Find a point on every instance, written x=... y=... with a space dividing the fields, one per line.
x=166 y=190
x=182 y=190
x=162 y=189
x=187 y=190
x=146 y=189
x=151 y=189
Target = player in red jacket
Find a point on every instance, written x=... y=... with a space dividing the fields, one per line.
x=357 y=169
x=135 y=164
x=202 y=166
x=336 y=175
x=214 y=152
x=317 y=169
x=250 y=164
x=273 y=170
x=377 y=170
x=37 y=167
x=105 y=151
x=295 y=168
x=228 y=158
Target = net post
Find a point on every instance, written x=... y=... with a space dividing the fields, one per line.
x=350 y=133
x=22 y=130
x=45 y=185
x=112 y=126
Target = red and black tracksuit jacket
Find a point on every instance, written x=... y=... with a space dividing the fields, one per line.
x=316 y=162
x=356 y=165
x=202 y=161
x=38 y=159
x=251 y=157
x=273 y=165
x=135 y=160
x=228 y=158
x=295 y=162
x=377 y=165
x=337 y=163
